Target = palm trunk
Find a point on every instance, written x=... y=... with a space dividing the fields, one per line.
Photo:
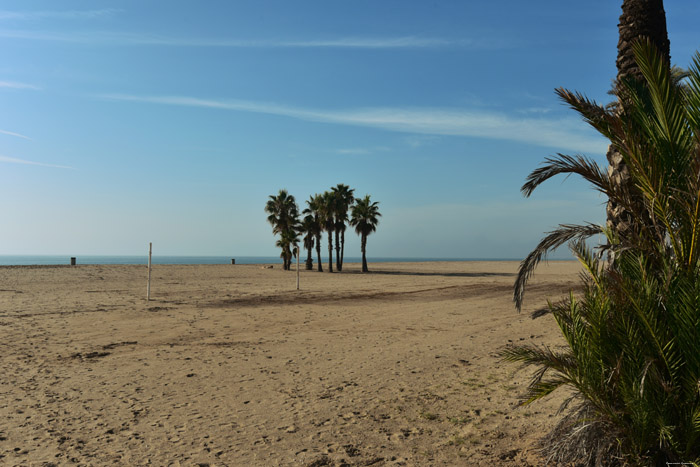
x=639 y=18
x=318 y=252
x=330 y=251
x=364 y=254
x=337 y=251
x=309 y=260
x=342 y=248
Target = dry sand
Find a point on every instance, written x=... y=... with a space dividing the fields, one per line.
x=230 y=365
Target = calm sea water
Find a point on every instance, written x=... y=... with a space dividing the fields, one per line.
x=25 y=260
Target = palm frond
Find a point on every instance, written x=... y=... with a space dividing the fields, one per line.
x=563 y=164
x=564 y=234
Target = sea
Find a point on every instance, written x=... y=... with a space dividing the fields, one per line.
x=48 y=260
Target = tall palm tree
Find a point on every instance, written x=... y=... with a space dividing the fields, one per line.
x=639 y=18
x=307 y=228
x=314 y=209
x=283 y=215
x=327 y=216
x=365 y=218
x=345 y=198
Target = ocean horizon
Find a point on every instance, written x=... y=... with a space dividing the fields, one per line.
x=51 y=260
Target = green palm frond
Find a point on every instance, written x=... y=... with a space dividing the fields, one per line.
x=564 y=234
x=587 y=168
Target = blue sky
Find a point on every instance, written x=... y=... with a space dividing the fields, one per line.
x=129 y=122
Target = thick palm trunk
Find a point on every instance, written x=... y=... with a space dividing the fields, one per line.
x=330 y=251
x=639 y=18
x=318 y=253
x=364 y=254
x=337 y=251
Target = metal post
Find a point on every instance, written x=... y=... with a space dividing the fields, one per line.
x=298 y=254
x=148 y=289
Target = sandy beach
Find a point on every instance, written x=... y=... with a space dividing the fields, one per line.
x=229 y=365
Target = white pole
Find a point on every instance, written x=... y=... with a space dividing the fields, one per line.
x=148 y=289
x=298 y=254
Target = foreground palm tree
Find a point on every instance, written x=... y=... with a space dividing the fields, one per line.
x=639 y=19
x=288 y=243
x=345 y=198
x=308 y=228
x=365 y=218
x=632 y=338
x=314 y=209
x=327 y=217
x=283 y=215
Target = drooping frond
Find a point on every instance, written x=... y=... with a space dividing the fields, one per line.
x=564 y=234
x=563 y=164
x=601 y=118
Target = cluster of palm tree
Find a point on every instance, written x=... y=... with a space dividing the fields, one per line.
x=325 y=212
x=632 y=353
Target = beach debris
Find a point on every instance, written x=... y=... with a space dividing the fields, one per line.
x=89 y=355
x=320 y=462
x=509 y=455
x=351 y=450
x=118 y=344
x=269 y=266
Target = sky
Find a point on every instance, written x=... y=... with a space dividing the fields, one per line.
x=129 y=122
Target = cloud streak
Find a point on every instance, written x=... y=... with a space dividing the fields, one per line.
x=11 y=133
x=361 y=151
x=129 y=39
x=562 y=134
x=65 y=14
x=17 y=85
x=14 y=160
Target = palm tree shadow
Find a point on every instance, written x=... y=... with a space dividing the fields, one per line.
x=443 y=274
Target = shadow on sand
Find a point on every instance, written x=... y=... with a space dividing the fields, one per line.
x=444 y=274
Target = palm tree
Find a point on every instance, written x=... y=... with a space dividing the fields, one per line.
x=314 y=209
x=365 y=218
x=327 y=218
x=631 y=353
x=639 y=18
x=288 y=243
x=308 y=228
x=345 y=198
x=283 y=215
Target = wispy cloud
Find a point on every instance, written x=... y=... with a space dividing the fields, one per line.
x=416 y=141
x=12 y=133
x=56 y=14
x=562 y=134
x=17 y=85
x=535 y=110
x=130 y=39
x=361 y=151
x=14 y=160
